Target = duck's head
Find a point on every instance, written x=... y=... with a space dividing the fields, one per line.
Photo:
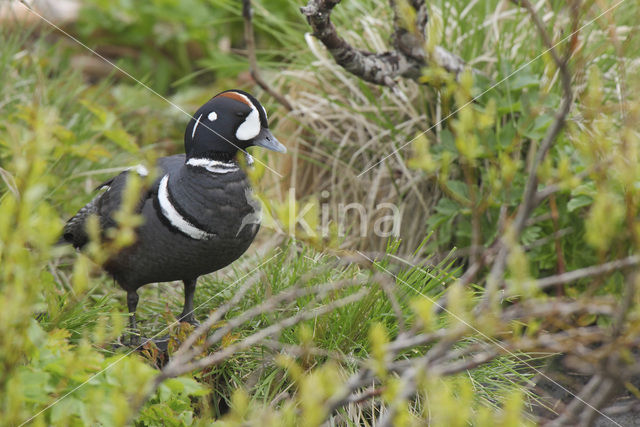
x=232 y=120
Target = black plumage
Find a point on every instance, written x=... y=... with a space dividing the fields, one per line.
x=198 y=214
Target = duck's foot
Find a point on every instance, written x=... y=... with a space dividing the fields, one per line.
x=155 y=350
x=133 y=339
x=162 y=343
x=138 y=342
x=128 y=339
x=190 y=319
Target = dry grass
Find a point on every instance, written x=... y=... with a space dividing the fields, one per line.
x=340 y=127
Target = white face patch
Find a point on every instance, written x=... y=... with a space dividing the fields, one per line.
x=212 y=116
x=250 y=128
x=193 y=132
x=213 y=166
x=174 y=217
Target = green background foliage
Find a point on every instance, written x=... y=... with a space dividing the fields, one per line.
x=64 y=130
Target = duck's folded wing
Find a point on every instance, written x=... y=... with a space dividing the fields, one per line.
x=107 y=202
x=102 y=205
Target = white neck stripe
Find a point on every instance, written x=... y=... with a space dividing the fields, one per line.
x=174 y=217
x=214 y=166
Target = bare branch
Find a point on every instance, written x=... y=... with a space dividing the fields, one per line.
x=272 y=303
x=597 y=390
x=216 y=316
x=304 y=350
x=249 y=39
x=378 y=68
x=410 y=41
x=557 y=309
x=358 y=380
x=529 y=198
x=595 y=270
x=387 y=287
x=175 y=369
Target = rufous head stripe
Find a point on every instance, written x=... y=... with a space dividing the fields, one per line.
x=237 y=97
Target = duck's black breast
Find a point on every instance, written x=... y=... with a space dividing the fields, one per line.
x=197 y=222
x=213 y=202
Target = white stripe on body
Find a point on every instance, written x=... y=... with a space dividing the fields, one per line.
x=174 y=217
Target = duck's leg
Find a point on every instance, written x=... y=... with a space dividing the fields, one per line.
x=132 y=303
x=187 y=311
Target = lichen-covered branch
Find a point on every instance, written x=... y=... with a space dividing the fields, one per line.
x=383 y=68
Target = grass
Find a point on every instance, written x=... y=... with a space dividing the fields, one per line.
x=344 y=126
x=340 y=127
x=344 y=331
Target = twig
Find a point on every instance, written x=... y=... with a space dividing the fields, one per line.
x=173 y=370
x=249 y=39
x=554 y=237
x=387 y=287
x=571 y=412
x=355 y=382
x=554 y=130
x=595 y=270
x=215 y=317
x=464 y=365
x=366 y=395
x=410 y=41
x=185 y=354
x=562 y=264
x=304 y=350
x=273 y=302
x=557 y=309
x=529 y=198
x=378 y=68
x=409 y=378
x=406 y=342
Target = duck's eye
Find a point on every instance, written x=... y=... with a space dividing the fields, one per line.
x=212 y=116
x=241 y=114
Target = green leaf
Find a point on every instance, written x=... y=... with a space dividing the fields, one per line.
x=579 y=202
x=586 y=189
x=122 y=139
x=524 y=80
x=531 y=234
x=539 y=127
x=35 y=385
x=100 y=113
x=459 y=188
x=67 y=409
x=507 y=135
x=447 y=207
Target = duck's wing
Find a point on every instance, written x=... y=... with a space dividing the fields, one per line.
x=107 y=202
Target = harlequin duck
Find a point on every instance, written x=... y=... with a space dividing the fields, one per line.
x=199 y=215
